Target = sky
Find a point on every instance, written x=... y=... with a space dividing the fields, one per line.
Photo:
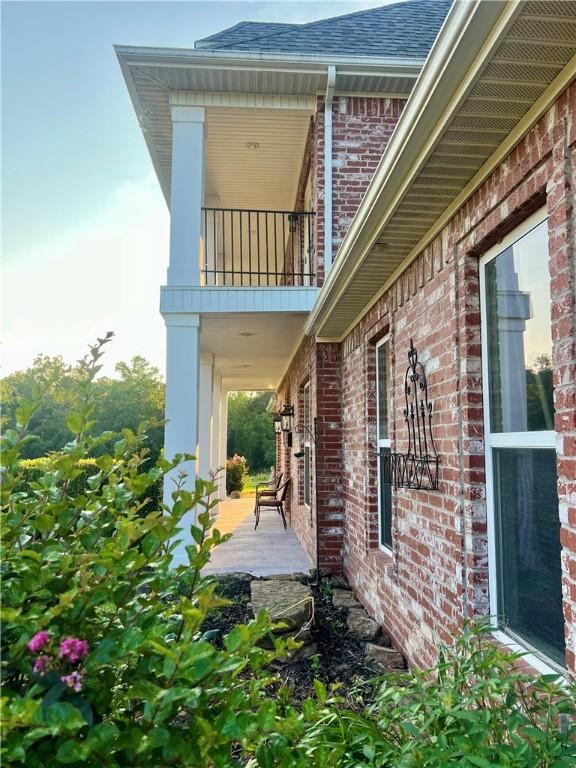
x=84 y=224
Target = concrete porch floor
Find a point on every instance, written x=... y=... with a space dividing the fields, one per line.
x=268 y=551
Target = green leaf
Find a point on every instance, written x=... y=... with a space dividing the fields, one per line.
x=480 y=761
x=75 y=422
x=65 y=715
x=72 y=752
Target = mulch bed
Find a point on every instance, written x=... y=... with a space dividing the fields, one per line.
x=334 y=654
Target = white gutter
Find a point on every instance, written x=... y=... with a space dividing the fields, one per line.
x=330 y=86
x=316 y=62
x=471 y=29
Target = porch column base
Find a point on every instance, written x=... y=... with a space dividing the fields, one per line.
x=181 y=412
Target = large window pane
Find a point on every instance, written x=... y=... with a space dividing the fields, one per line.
x=307 y=459
x=382 y=364
x=519 y=336
x=385 y=503
x=528 y=542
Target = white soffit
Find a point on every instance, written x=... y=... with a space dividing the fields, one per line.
x=251 y=353
x=153 y=75
x=512 y=73
x=261 y=178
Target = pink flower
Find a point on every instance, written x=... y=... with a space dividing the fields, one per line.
x=39 y=641
x=73 y=649
x=41 y=663
x=73 y=680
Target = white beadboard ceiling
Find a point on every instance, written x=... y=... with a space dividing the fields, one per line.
x=262 y=178
x=257 y=361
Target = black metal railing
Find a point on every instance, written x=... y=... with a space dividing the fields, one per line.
x=251 y=248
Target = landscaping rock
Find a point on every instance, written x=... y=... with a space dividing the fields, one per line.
x=287 y=601
x=384 y=658
x=299 y=576
x=360 y=624
x=339 y=582
x=343 y=598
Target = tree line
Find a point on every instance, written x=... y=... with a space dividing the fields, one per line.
x=134 y=395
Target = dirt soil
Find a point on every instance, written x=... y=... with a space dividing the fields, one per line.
x=334 y=654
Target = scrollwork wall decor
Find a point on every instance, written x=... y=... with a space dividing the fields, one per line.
x=418 y=467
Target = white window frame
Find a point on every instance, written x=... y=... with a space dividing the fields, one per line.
x=384 y=442
x=306 y=392
x=542 y=439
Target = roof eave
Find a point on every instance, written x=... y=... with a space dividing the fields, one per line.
x=435 y=96
x=143 y=56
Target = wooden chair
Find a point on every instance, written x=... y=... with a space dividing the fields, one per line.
x=270 y=487
x=273 y=502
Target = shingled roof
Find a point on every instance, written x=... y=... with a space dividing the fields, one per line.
x=241 y=32
x=405 y=29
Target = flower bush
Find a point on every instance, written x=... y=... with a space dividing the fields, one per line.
x=104 y=658
x=236 y=471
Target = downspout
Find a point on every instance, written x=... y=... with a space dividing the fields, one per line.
x=330 y=85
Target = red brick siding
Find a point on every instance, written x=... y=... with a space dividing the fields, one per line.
x=437 y=573
x=301 y=370
x=320 y=365
x=361 y=130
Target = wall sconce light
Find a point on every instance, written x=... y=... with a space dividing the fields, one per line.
x=277 y=424
x=286 y=416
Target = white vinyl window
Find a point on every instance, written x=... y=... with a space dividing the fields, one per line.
x=307 y=427
x=383 y=441
x=523 y=519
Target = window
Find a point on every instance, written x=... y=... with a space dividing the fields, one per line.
x=307 y=428
x=524 y=524
x=383 y=442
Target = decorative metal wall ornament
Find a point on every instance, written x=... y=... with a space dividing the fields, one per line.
x=418 y=467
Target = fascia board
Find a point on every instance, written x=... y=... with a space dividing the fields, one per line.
x=464 y=43
x=158 y=57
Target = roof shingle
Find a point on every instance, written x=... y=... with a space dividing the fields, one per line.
x=405 y=30
x=244 y=30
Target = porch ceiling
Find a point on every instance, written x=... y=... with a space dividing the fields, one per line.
x=478 y=94
x=154 y=75
x=253 y=350
x=265 y=177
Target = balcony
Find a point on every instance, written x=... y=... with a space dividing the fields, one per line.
x=251 y=248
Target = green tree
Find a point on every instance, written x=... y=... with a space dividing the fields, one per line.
x=136 y=395
x=250 y=429
x=50 y=382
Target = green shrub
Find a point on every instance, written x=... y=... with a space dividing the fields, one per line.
x=104 y=660
x=31 y=470
x=236 y=471
x=474 y=709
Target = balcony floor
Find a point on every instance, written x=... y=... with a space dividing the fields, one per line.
x=266 y=552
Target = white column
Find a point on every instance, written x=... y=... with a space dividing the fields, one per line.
x=223 y=439
x=181 y=409
x=216 y=398
x=186 y=196
x=204 y=452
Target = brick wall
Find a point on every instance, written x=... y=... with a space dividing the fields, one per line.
x=320 y=366
x=361 y=129
x=437 y=572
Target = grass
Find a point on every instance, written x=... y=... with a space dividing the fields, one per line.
x=252 y=480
